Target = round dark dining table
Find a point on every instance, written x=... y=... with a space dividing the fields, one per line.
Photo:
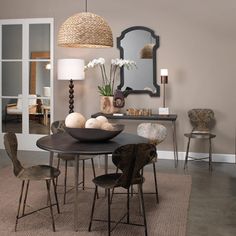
x=64 y=143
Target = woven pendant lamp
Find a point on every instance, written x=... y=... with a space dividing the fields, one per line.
x=85 y=30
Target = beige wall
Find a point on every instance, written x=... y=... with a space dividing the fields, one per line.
x=197 y=45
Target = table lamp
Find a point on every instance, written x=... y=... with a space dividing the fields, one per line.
x=164 y=80
x=47 y=94
x=70 y=69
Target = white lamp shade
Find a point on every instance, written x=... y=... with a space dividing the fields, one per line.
x=70 y=69
x=164 y=72
x=46 y=91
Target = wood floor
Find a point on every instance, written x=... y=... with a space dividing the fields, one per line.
x=36 y=126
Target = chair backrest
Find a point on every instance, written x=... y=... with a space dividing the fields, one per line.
x=32 y=101
x=130 y=159
x=11 y=146
x=201 y=119
x=156 y=133
x=58 y=126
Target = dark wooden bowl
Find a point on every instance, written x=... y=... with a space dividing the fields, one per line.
x=94 y=135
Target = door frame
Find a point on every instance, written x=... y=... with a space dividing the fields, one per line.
x=27 y=141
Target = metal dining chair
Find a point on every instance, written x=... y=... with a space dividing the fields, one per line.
x=156 y=133
x=130 y=159
x=202 y=121
x=34 y=173
x=57 y=127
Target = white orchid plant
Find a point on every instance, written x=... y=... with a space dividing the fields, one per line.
x=107 y=87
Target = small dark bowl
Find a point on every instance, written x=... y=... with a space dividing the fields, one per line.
x=94 y=135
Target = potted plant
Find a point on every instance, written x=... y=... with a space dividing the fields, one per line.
x=106 y=89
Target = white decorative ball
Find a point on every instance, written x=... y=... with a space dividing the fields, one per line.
x=92 y=123
x=107 y=126
x=102 y=119
x=75 y=120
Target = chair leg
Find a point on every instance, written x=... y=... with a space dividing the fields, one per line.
x=140 y=202
x=210 y=155
x=92 y=212
x=139 y=196
x=58 y=166
x=141 y=172
x=65 y=183
x=128 y=206
x=113 y=190
x=132 y=191
x=20 y=199
x=26 y=193
x=143 y=208
x=186 y=155
x=155 y=179
x=83 y=173
x=94 y=174
x=109 y=211
x=55 y=193
x=93 y=168
x=50 y=202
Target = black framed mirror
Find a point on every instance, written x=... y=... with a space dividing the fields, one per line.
x=140 y=44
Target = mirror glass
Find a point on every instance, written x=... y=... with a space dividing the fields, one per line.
x=139 y=44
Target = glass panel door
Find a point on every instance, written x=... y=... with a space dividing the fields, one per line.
x=11 y=77
x=26 y=74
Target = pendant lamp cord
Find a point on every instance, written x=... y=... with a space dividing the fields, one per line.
x=86 y=6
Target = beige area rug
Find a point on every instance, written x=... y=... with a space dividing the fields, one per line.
x=169 y=218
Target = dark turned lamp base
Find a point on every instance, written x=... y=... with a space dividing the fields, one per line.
x=71 y=96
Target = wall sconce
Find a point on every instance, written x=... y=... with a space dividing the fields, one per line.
x=164 y=80
x=70 y=69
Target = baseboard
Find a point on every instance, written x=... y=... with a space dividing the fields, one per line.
x=168 y=155
x=228 y=158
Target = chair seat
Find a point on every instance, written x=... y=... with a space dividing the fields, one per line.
x=154 y=160
x=39 y=172
x=200 y=135
x=107 y=180
x=14 y=110
x=111 y=180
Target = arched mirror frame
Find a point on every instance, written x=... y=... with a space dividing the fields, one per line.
x=156 y=46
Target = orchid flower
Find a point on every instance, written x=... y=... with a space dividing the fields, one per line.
x=107 y=87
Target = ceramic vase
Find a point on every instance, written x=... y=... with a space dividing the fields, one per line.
x=106 y=105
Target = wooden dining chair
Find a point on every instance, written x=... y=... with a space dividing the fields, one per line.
x=156 y=133
x=57 y=127
x=130 y=159
x=34 y=173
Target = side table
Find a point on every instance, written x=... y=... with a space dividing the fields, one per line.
x=46 y=112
